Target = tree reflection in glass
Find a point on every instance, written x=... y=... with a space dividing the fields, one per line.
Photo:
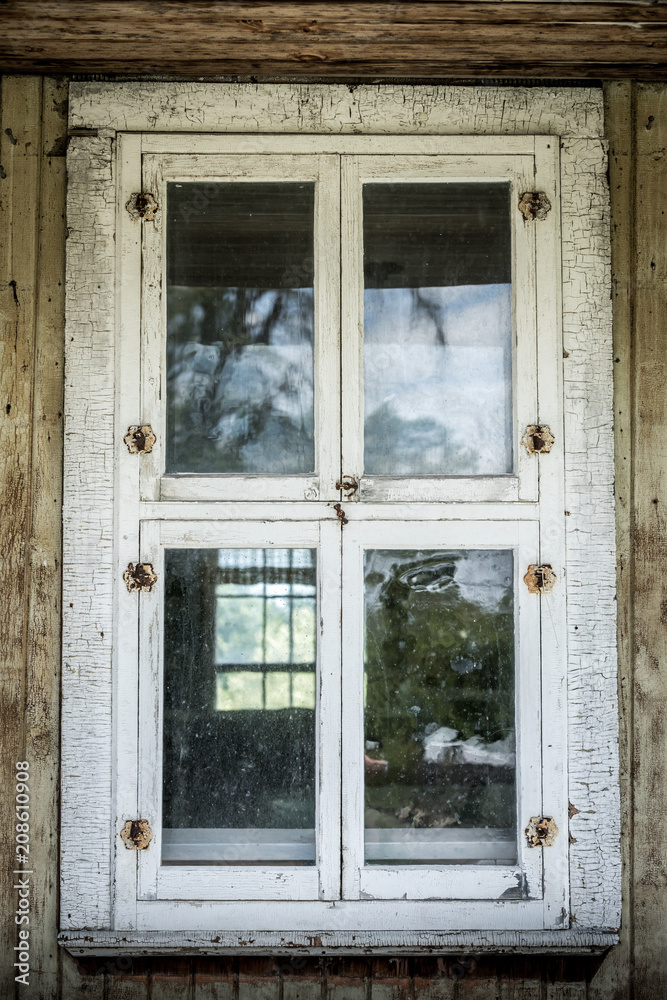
x=439 y=707
x=240 y=328
x=437 y=329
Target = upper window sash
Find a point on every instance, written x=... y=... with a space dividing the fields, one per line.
x=159 y=174
x=336 y=230
x=487 y=433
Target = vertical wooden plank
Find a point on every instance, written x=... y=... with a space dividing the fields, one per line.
x=649 y=535
x=171 y=979
x=390 y=979
x=43 y=630
x=347 y=979
x=214 y=979
x=128 y=983
x=258 y=979
x=517 y=987
x=612 y=979
x=301 y=978
x=20 y=143
x=432 y=979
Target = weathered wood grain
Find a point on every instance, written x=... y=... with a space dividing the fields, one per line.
x=217 y=979
x=612 y=980
x=43 y=608
x=334 y=40
x=87 y=538
x=649 y=537
x=472 y=987
x=19 y=222
x=390 y=979
x=77 y=981
x=172 y=980
x=128 y=982
x=259 y=979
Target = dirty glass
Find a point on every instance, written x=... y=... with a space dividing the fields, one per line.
x=239 y=706
x=240 y=328
x=437 y=329
x=439 y=755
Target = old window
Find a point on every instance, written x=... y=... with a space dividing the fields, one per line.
x=336 y=699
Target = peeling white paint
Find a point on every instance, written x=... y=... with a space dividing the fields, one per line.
x=575 y=114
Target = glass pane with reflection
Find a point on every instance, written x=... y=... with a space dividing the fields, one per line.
x=239 y=706
x=437 y=329
x=440 y=772
x=240 y=328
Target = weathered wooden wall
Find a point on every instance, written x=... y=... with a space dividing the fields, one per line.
x=32 y=246
x=347 y=39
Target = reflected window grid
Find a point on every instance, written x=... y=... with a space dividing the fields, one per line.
x=286 y=599
x=239 y=785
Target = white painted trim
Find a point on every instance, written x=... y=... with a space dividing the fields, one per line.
x=342 y=145
x=340 y=943
x=125 y=651
x=252 y=511
x=88 y=531
x=376 y=109
x=93 y=452
x=595 y=863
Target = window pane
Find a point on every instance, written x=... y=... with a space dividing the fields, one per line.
x=240 y=328
x=239 y=706
x=437 y=329
x=439 y=707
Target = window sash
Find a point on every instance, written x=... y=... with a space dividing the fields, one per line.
x=321 y=881
x=157 y=172
x=534 y=616
x=521 y=483
x=454 y=881
x=338 y=241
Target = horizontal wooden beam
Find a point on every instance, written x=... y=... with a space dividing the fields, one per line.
x=336 y=40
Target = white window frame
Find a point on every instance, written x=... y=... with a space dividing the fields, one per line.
x=322 y=880
x=322 y=169
x=529 y=877
x=127 y=900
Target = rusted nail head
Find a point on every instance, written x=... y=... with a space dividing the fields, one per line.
x=140 y=577
x=136 y=834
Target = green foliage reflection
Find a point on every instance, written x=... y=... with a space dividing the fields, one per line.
x=439 y=710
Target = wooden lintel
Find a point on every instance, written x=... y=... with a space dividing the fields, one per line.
x=336 y=40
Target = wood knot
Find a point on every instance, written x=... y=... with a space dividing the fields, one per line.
x=538 y=439
x=142 y=206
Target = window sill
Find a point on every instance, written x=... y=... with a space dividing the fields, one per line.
x=566 y=942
